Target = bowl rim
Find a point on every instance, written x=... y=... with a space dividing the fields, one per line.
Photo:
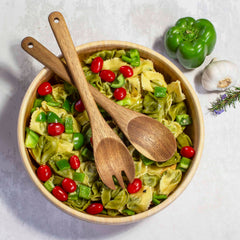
x=118 y=219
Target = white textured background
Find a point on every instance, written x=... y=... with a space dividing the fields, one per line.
x=210 y=206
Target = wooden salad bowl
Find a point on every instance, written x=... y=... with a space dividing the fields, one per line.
x=171 y=73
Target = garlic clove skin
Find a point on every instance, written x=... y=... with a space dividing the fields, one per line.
x=220 y=75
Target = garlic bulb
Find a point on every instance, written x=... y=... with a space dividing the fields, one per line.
x=219 y=75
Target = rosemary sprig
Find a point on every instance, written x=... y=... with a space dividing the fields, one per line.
x=228 y=99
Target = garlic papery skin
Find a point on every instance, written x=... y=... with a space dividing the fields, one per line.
x=220 y=75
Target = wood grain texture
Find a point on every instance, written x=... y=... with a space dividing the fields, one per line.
x=110 y=154
x=171 y=73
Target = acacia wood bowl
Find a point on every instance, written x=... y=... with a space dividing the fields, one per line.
x=171 y=73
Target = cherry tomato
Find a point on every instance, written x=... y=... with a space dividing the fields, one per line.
x=120 y=93
x=44 y=89
x=74 y=162
x=55 y=129
x=60 y=194
x=126 y=71
x=97 y=65
x=187 y=152
x=94 y=208
x=44 y=173
x=107 y=75
x=135 y=186
x=91 y=141
x=69 y=185
x=79 y=106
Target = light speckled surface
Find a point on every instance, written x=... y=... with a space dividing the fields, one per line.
x=208 y=209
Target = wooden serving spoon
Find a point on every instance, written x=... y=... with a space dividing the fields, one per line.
x=111 y=155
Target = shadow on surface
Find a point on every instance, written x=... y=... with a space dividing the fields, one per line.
x=18 y=193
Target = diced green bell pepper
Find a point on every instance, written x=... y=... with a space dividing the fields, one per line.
x=84 y=191
x=132 y=57
x=66 y=105
x=78 y=140
x=68 y=125
x=184 y=163
x=53 y=118
x=63 y=164
x=118 y=82
x=128 y=212
x=41 y=117
x=78 y=176
x=31 y=139
x=49 y=184
x=50 y=101
x=146 y=161
x=87 y=154
x=184 y=119
x=160 y=92
x=37 y=102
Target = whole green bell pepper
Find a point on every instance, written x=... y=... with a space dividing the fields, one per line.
x=190 y=41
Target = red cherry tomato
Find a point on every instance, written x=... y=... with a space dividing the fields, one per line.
x=79 y=106
x=60 y=194
x=69 y=185
x=44 y=89
x=107 y=75
x=44 y=173
x=55 y=129
x=74 y=162
x=135 y=186
x=97 y=65
x=126 y=71
x=187 y=152
x=91 y=141
x=120 y=93
x=94 y=208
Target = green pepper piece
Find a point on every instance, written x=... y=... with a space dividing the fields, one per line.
x=66 y=105
x=31 y=139
x=84 y=191
x=128 y=212
x=190 y=41
x=41 y=117
x=53 y=118
x=78 y=176
x=160 y=196
x=68 y=125
x=134 y=53
x=160 y=92
x=156 y=201
x=184 y=163
x=184 y=119
x=50 y=101
x=32 y=110
x=73 y=196
x=49 y=184
x=135 y=62
x=126 y=59
x=63 y=164
x=78 y=140
x=118 y=82
x=37 y=102
x=146 y=161
x=124 y=102
x=87 y=154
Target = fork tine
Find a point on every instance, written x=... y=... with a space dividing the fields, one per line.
x=130 y=174
x=120 y=179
